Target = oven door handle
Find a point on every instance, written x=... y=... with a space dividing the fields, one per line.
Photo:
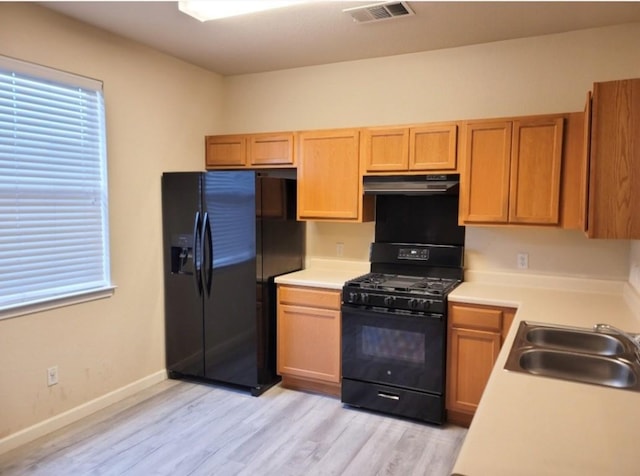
x=388 y=396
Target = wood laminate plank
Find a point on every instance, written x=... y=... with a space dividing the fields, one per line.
x=183 y=428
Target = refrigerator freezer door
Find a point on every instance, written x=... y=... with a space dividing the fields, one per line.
x=230 y=339
x=183 y=302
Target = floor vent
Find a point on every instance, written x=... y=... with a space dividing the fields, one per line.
x=379 y=11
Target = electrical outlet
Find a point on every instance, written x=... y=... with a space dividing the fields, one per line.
x=523 y=260
x=52 y=375
x=339 y=249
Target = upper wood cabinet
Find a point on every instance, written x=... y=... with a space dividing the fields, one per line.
x=426 y=148
x=512 y=171
x=329 y=180
x=226 y=151
x=614 y=161
x=250 y=150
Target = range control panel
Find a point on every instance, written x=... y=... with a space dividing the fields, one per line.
x=414 y=254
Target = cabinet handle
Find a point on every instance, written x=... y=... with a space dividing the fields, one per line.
x=389 y=396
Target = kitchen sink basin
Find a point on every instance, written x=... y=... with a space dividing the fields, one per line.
x=575 y=354
x=579 y=367
x=575 y=340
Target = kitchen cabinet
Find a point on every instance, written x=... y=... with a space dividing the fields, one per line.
x=512 y=171
x=250 y=150
x=424 y=148
x=614 y=161
x=475 y=335
x=271 y=198
x=309 y=338
x=329 y=179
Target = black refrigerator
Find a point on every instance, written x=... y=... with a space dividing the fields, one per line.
x=226 y=236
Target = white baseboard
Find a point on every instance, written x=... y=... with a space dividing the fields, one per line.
x=33 y=432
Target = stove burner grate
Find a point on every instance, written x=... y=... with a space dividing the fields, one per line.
x=407 y=284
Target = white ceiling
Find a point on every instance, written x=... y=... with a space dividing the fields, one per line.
x=321 y=33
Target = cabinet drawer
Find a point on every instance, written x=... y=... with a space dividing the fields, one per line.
x=476 y=317
x=309 y=297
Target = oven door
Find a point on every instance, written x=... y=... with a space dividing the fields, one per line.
x=396 y=349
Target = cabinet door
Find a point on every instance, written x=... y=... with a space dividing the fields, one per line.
x=271 y=149
x=484 y=194
x=385 y=150
x=475 y=336
x=536 y=159
x=433 y=147
x=472 y=355
x=614 y=184
x=309 y=343
x=226 y=151
x=329 y=182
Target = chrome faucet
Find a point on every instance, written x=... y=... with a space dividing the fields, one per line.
x=633 y=339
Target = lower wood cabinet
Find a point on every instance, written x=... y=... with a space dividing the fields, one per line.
x=309 y=338
x=475 y=336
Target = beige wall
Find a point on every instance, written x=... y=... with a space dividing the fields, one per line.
x=158 y=110
x=527 y=76
x=634 y=265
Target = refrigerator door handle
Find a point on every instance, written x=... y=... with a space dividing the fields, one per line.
x=207 y=253
x=197 y=245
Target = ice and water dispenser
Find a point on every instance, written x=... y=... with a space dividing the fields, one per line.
x=182 y=254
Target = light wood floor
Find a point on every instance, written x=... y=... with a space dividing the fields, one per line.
x=181 y=428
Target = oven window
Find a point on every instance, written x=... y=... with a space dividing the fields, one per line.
x=392 y=344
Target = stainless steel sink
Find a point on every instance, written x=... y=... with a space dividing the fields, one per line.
x=579 y=367
x=576 y=354
x=575 y=340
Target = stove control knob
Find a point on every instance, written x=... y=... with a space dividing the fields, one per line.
x=389 y=300
x=424 y=304
x=413 y=303
x=353 y=297
x=364 y=298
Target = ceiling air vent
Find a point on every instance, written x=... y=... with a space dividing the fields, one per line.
x=379 y=11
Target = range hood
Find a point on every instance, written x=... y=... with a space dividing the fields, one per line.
x=411 y=184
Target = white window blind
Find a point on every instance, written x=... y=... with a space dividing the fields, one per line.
x=53 y=186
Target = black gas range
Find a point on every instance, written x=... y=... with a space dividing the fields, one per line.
x=399 y=292
x=394 y=322
x=407 y=277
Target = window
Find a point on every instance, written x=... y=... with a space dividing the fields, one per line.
x=53 y=187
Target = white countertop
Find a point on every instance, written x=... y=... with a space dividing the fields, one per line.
x=322 y=273
x=530 y=425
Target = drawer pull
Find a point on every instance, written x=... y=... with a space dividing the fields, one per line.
x=389 y=396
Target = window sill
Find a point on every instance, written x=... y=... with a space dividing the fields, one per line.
x=69 y=300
